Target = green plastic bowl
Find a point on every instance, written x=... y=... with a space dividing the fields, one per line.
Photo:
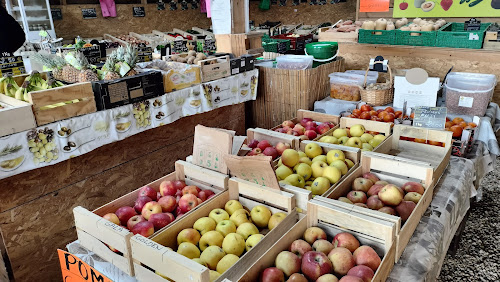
x=322 y=50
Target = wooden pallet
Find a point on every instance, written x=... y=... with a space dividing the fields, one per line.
x=396 y=172
x=157 y=252
x=95 y=232
x=375 y=233
x=324 y=35
x=16 y=118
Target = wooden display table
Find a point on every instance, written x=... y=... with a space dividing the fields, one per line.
x=36 y=206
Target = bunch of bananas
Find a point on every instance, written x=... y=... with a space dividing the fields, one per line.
x=33 y=82
x=8 y=86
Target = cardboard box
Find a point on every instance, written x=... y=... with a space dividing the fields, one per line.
x=416 y=88
x=16 y=116
x=127 y=90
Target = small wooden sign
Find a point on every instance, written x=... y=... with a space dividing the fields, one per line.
x=138 y=12
x=430 y=117
x=10 y=64
x=56 y=14
x=76 y=270
x=89 y=13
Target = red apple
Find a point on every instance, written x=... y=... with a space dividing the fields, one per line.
x=390 y=195
x=387 y=210
x=167 y=203
x=151 y=208
x=310 y=124
x=322 y=246
x=140 y=202
x=178 y=195
x=134 y=220
x=112 y=217
x=365 y=255
x=299 y=129
x=167 y=188
x=187 y=203
x=263 y=145
x=314 y=233
x=305 y=121
x=190 y=190
x=342 y=260
x=327 y=278
x=254 y=152
x=375 y=189
x=253 y=144
x=401 y=191
x=144 y=228
x=124 y=214
x=288 y=123
x=413 y=196
x=199 y=201
x=272 y=274
x=211 y=195
x=288 y=262
x=363 y=272
x=315 y=264
x=374 y=203
x=281 y=147
x=270 y=151
x=371 y=176
x=382 y=182
x=148 y=191
x=158 y=195
x=349 y=278
x=362 y=184
x=179 y=184
x=413 y=187
x=330 y=124
x=357 y=197
x=300 y=247
x=346 y=240
x=322 y=128
x=161 y=220
x=205 y=194
x=297 y=277
x=311 y=134
x=404 y=209
x=310 y=127
x=281 y=130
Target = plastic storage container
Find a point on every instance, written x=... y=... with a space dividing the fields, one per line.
x=294 y=62
x=469 y=93
x=346 y=86
x=372 y=75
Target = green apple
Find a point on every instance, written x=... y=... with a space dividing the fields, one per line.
x=341 y=165
x=309 y=182
x=212 y=255
x=375 y=142
x=211 y=238
x=188 y=250
x=313 y=149
x=240 y=216
x=226 y=262
x=232 y=206
x=214 y=275
x=198 y=260
x=303 y=170
x=247 y=229
x=354 y=142
x=253 y=240
x=339 y=132
x=321 y=158
x=320 y=185
x=225 y=227
x=218 y=215
x=334 y=155
x=379 y=137
x=349 y=163
x=343 y=140
x=280 y=162
x=301 y=154
x=204 y=224
x=276 y=219
x=234 y=244
x=283 y=172
x=305 y=160
x=188 y=235
x=366 y=137
x=333 y=174
x=357 y=130
x=318 y=168
x=367 y=147
x=329 y=139
x=296 y=180
x=260 y=215
x=290 y=157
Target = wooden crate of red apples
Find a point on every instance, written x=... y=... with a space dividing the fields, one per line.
x=335 y=247
x=145 y=211
x=387 y=188
x=308 y=125
x=263 y=142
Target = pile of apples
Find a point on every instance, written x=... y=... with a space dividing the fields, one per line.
x=154 y=210
x=372 y=193
x=316 y=259
x=306 y=129
x=220 y=239
x=386 y=115
x=264 y=148
x=312 y=169
x=356 y=137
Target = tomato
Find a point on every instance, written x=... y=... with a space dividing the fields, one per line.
x=382 y=114
x=353 y=116
x=398 y=114
x=375 y=118
x=457 y=120
x=365 y=115
x=448 y=124
x=418 y=140
x=471 y=124
x=389 y=117
x=389 y=110
x=373 y=113
x=463 y=124
x=379 y=111
x=457 y=130
x=357 y=112
x=366 y=108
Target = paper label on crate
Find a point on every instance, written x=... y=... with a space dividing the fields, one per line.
x=255 y=169
x=210 y=147
x=76 y=270
x=473 y=36
x=430 y=117
x=465 y=101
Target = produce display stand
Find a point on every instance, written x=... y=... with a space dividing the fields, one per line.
x=152 y=253
x=94 y=231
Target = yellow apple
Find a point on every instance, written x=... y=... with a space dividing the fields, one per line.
x=283 y=172
x=276 y=219
x=329 y=139
x=366 y=137
x=343 y=140
x=279 y=163
x=214 y=275
x=295 y=180
x=204 y=224
x=320 y=185
x=357 y=130
x=375 y=142
x=260 y=215
x=218 y=215
x=379 y=137
x=234 y=244
x=333 y=174
x=188 y=250
x=334 y=155
x=247 y=229
x=340 y=165
x=290 y=157
x=305 y=160
x=212 y=255
x=354 y=142
x=318 y=168
x=253 y=240
x=301 y=154
x=313 y=150
x=188 y=235
x=240 y=216
x=339 y=132
x=225 y=227
x=320 y=158
x=303 y=170
x=232 y=205
x=349 y=163
x=226 y=262
x=367 y=147
x=198 y=260
x=309 y=182
x=211 y=238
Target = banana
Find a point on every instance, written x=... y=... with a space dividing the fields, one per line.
x=26 y=97
x=22 y=91
x=19 y=94
x=2 y=80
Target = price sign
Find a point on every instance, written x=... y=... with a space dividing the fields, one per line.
x=93 y=54
x=179 y=46
x=430 y=117
x=145 y=54
x=10 y=64
x=472 y=24
x=138 y=12
x=209 y=46
x=89 y=13
x=374 y=5
x=56 y=14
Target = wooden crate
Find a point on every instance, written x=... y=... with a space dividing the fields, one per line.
x=95 y=232
x=424 y=154
x=394 y=171
x=375 y=233
x=239 y=44
x=324 y=35
x=491 y=45
x=156 y=252
x=273 y=137
x=213 y=71
x=17 y=116
x=316 y=116
x=115 y=39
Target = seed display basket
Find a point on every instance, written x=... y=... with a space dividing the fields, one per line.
x=371 y=36
x=378 y=97
x=453 y=35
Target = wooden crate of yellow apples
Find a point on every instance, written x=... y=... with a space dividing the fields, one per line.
x=219 y=239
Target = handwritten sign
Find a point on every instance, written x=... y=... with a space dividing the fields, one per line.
x=10 y=64
x=209 y=45
x=89 y=13
x=56 y=14
x=179 y=46
x=430 y=117
x=374 y=5
x=138 y=12
x=76 y=270
x=144 y=54
x=93 y=54
x=472 y=24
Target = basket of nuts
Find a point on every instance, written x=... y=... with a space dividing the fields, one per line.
x=377 y=94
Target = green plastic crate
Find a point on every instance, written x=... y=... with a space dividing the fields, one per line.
x=425 y=38
x=369 y=36
x=453 y=35
x=275 y=45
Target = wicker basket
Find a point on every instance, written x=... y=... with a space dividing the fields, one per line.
x=377 y=97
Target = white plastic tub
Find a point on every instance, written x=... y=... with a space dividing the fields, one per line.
x=346 y=86
x=469 y=93
x=294 y=62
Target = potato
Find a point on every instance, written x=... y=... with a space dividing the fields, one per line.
x=191 y=53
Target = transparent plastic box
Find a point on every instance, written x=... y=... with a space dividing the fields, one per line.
x=469 y=93
x=294 y=62
x=370 y=79
x=345 y=86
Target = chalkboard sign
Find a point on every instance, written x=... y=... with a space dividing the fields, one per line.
x=56 y=14
x=472 y=24
x=209 y=46
x=93 y=54
x=179 y=46
x=144 y=54
x=89 y=13
x=138 y=11
x=430 y=117
x=10 y=64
